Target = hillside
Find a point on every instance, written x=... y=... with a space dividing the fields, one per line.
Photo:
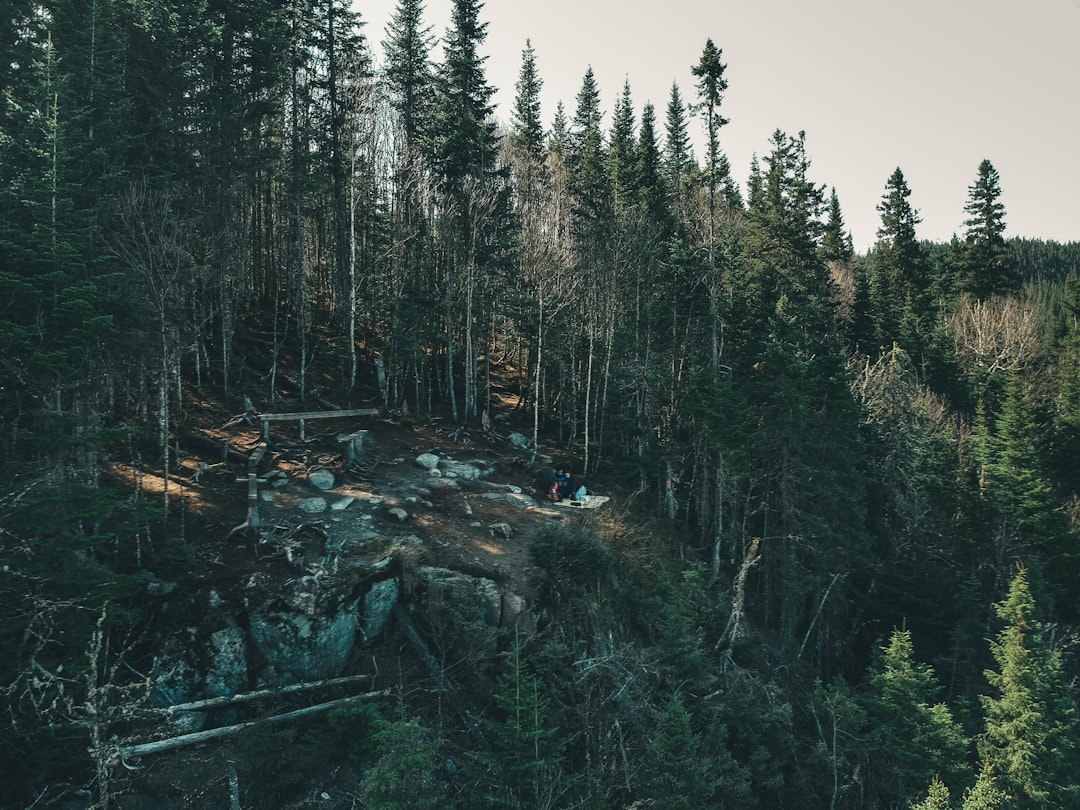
x=301 y=609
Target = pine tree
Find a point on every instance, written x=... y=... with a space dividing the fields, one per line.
x=1029 y=747
x=986 y=266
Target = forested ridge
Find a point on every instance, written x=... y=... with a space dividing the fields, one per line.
x=854 y=477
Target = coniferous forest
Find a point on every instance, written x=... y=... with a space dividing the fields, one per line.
x=851 y=581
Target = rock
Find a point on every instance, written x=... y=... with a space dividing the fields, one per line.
x=321 y=479
x=515 y=615
x=343 y=504
x=458 y=469
x=298 y=647
x=266 y=497
x=429 y=461
x=513 y=489
x=378 y=603
x=519 y=499
x=228 y=672
x=520 y=441
x=312 y=506
x=305 y=632
x=399 y=513
x=502 y=530
x=157 y=587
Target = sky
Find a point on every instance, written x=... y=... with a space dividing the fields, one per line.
x=930 y=86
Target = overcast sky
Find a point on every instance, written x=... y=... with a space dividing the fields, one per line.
x=931 y=86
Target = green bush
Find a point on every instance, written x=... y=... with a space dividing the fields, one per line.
x=572 y=555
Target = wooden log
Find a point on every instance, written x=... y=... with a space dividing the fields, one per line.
x=288 y=417
x=208 y=704
x=196 y=737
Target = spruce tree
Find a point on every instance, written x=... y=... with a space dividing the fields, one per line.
x=527 y=128
x=986 y=268
x=899 y=280
x=1029 y=747
x=524 y=768
x=836 y=243
x=681 y=773
x=678 y=152
x=407 y=70
x=914 y=738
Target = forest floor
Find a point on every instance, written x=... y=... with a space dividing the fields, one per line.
x=453 y=518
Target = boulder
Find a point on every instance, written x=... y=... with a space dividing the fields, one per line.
x=502 y=530
x=459 y=469
x=429 y=461
x=378 y=603
x=312 y=506
x=321 y=479
x=399 y=513
x=344 y=503
x=520 y=441
x=305 y=632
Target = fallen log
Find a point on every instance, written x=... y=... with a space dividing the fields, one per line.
x=209 y=704
x=196 y=737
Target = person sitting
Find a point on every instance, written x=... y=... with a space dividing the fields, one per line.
x=577 y=487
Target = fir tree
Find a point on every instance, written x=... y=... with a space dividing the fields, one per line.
x=678 y=152
x=524 y=768
x=899 y=282
x=986 y=268
x=1029 y=747
x=407 y=69
x=914 y=737
x=836 y=243
x=527 y=128
x=937 y=798
x=681 y=772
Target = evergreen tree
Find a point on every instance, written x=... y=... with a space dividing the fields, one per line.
x=937 y=798
x=795 y=367
x=678 y=152
x=1029 y=747
x=405 y=774
x=985 y=795
x=527 y=128
x=913 y=738
x=524 y=768
x=836 y=243
x=407 y=70
x=899 y=282
x=621 y=153
x=681 y=771
x=649 y=174
x=474 y=197
x=1013 y=481
x=986 y=267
